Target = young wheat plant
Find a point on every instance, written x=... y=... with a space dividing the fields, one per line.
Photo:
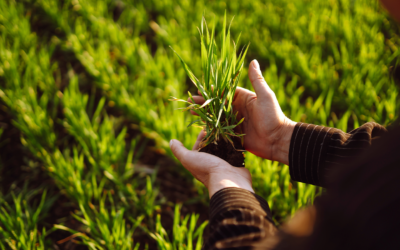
x=221 y=74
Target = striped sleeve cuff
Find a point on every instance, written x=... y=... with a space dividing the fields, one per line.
x=228 y=198
x=307 y=153
x=239 y=219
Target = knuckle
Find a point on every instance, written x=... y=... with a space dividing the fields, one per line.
x=260 y=78
x=271 y=93
x=257 y=77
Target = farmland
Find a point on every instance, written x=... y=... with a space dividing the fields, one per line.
x=85 y=120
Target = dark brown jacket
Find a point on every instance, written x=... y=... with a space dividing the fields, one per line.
x=361 y=209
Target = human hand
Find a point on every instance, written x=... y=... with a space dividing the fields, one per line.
x=211 y=170
x=268 y=131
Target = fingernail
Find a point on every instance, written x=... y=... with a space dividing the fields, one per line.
x=256 y=65
x=170 y=143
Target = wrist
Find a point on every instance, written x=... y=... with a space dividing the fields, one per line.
x=281 y=147
x=240 y=178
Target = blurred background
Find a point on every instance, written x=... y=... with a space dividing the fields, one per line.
x=85 y=119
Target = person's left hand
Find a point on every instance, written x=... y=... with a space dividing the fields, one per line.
x=211 y=170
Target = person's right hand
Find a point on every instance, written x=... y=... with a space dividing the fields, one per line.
x=268 y=131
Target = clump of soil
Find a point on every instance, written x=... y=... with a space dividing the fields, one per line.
x=226 y=151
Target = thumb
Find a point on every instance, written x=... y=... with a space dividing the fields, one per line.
x=257 y=80
x=178 y=149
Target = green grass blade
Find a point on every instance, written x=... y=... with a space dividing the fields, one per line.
x=223 y=48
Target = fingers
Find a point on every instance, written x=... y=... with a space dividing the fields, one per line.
x=178 y=149
x=192 y=160
x=188 y=158
x=197 y=99
x=202 y=134
x=257 y=80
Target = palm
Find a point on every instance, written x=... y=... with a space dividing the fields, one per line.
x=211 y=170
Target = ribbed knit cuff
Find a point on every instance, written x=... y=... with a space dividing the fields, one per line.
x=307 y=152
x=232 y=197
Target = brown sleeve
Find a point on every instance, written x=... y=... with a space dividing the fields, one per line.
x=239 y=219
x=316 y=150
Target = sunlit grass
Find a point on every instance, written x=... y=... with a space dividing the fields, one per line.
x=221 y=75
x=327 y=61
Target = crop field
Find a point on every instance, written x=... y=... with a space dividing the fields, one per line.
x=85 y=120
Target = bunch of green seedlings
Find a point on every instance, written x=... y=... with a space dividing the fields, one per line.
x=221 y=74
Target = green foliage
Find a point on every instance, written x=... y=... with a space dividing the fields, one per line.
x=184 y=233
x=107 y=227
x=18 y=222
x=65 y=64
x=221 y=74
x=83 y=171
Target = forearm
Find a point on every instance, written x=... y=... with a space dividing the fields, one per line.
x=315 y=150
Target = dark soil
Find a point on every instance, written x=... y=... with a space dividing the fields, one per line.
x=227 y=152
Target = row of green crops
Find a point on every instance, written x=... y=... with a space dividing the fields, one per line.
x=328 y=62
x=96 y=173
x=26 y=71
x=96 y=58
